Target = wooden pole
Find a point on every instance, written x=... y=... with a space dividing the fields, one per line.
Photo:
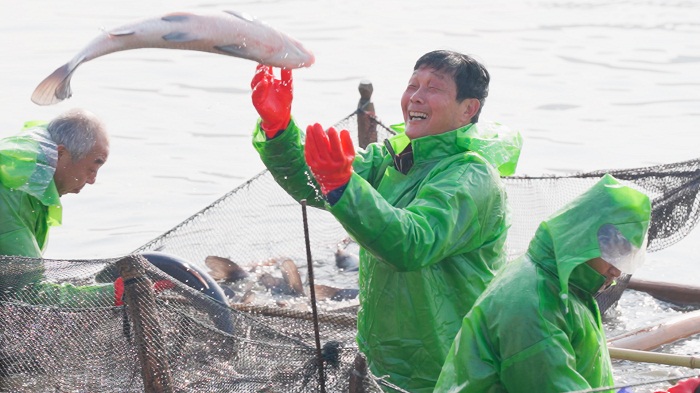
x=654 y=357
x=358 y=374
x=684 y=295
x=650 y=337
x=343 y=320
x=366 y=126
x=141 y=304
x=310 y=266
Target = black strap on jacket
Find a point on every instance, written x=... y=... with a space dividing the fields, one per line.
x=403 y=161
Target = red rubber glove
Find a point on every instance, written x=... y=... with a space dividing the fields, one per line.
x=690 y=385
x=119 y=292
x=272 y=98
x=329 y=156
x=158 y=286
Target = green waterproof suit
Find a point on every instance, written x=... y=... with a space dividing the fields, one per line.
x=29 y=200
x=29 y=206
x=430 y=239
x=537 y=327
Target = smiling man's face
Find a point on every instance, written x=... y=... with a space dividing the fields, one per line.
x=430 y=105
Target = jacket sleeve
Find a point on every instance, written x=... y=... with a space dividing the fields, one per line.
x=23 y=278
x=68 y=295
x=284 y=158
x=446 y=217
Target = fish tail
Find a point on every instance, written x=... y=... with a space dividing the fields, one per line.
x=55 y=88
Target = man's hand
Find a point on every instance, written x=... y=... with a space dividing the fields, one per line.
x=329 y=156
x=158 y=286
x=272 y=98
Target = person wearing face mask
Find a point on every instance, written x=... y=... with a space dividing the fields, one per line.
x=427 y=206
x=537 y=327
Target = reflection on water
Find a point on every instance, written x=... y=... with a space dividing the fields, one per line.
x=637 y=310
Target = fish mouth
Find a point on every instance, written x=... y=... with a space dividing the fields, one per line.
x=302 y=53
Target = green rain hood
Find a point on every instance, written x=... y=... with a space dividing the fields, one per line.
x=537 y=328
x=28 y=162
x=431 y=239
x=499 y=145
x=29 y=199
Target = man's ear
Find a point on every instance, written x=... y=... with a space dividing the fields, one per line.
x=63 y=153
x=470 y=109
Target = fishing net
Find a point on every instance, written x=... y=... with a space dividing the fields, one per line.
x=61 y=332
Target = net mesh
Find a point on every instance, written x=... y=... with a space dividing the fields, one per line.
x=61 y=332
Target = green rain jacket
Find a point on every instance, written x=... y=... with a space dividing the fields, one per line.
x=29 y=205
x=29 y=200
x=430 y=240
x=537 y=328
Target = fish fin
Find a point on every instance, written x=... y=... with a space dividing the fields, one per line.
x=55 y=87
x=224 y=269
x=324 y=292
x=291 y=276
x=180 y=36
x=248 y=297
x=237 y=51
x=269 y=281
x=345 y=294
x=177 y=17
x=275 y=285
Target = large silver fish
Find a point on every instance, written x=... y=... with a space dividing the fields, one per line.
x=226 y=33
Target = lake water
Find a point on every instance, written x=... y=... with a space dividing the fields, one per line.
x=590 y=84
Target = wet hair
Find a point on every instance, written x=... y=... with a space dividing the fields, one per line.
x=470 y=76
x=77 y=130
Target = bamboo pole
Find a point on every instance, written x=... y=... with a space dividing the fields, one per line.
x=141 y=304
x=685 y=295
x=331 y=318
x=358 y=374
x=654 y=357
x=366 y=126
x=650 y=337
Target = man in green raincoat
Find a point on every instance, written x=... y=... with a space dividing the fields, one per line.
x=537 y=327
x=427 y=207
x=37 y=167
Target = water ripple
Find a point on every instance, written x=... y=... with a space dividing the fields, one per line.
x=581 y=61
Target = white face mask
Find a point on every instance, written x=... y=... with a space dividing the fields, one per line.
x=618 y=251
